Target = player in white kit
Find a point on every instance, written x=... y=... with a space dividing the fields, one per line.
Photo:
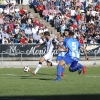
x=49 y=52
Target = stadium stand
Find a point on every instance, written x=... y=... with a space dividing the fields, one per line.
x=80 y=16
x=18 y=25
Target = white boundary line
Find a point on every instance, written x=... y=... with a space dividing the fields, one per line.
x=13 y=75
x=92 y=76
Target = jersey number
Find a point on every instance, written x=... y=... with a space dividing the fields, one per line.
x=75 y=53
x=74 y=45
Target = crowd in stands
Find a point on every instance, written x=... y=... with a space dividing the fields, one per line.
x=17 y=25
x=80 y=16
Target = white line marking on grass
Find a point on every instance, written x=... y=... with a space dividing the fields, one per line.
x=8 y=74
x=13 y=75
x=93 y=76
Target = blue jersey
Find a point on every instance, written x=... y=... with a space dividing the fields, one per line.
x=61 y=53
x=73 y=47
x=64 y=42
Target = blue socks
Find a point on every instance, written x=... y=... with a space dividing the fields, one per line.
x=75 y=68
x=62 y=70
x=59 y=70
x=80 y=66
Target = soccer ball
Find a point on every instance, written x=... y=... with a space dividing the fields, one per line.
x=26 y=69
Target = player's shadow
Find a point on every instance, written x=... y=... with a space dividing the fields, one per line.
x=45 y=74
x=38 y=78
x=45 y=79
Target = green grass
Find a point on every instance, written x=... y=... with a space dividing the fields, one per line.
x=15 y=84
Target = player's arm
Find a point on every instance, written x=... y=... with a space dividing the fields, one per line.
x=63 y=49
x=85 y=52
x=56 y=42
x=37 y=46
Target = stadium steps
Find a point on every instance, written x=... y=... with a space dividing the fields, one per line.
x=47 y=24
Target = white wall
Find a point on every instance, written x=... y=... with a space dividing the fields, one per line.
x=25 y=2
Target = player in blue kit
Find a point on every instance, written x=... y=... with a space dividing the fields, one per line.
x=61 y=51
x=72 y=57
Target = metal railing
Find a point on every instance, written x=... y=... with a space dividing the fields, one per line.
x=19 y=61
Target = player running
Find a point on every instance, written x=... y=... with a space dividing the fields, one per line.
x=61 y=51
x=72 y=57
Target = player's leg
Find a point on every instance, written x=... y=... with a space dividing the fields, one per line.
x=75 y=66
x=66 y=60
x=38 y=66
x=59 y=69
x=49 y=61
x=82 y=68
x=44 y=58
x=58 y=59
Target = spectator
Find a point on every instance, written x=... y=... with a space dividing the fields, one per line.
x=23 y=22
x=22 y=10
x=6 y=2
x=35 y=4
x=74 y=25
x=28 y=31
x=78 y=17
x=11 y=42
x=45 y=14
x=1 y=20
x=81 y=40
x=23 y=40
x=1 y=10
x=18 y=36
x=36 y=37
x=40 y=9
x=34 y=29
x=16 y=8
x=45 y=29
x=36 y=21
x=50 y=18
x=57 y=21
x=6 y=10
x=16 y=30
x=40 y=25
x=30 y=40
x=97 y=7
x=79 y=4
x=40 y=30
x=52 y=11
x=62 y=27
x=67 y=3
x=4 y=40
x=57 y=3
x=93 y=41
x=42 y=40
x=5 y=34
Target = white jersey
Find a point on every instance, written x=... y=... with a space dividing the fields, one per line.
x=49 y=45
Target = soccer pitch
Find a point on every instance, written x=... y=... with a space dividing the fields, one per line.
x=15 y=84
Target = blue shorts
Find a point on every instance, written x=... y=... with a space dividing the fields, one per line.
x=59 y=58
x=69 y=60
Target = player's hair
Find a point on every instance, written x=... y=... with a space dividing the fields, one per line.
x=65 y=31
x=62 y=36
x=47 y=33
x=71 y=33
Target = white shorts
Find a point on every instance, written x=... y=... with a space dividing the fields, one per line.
x=48 y=57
